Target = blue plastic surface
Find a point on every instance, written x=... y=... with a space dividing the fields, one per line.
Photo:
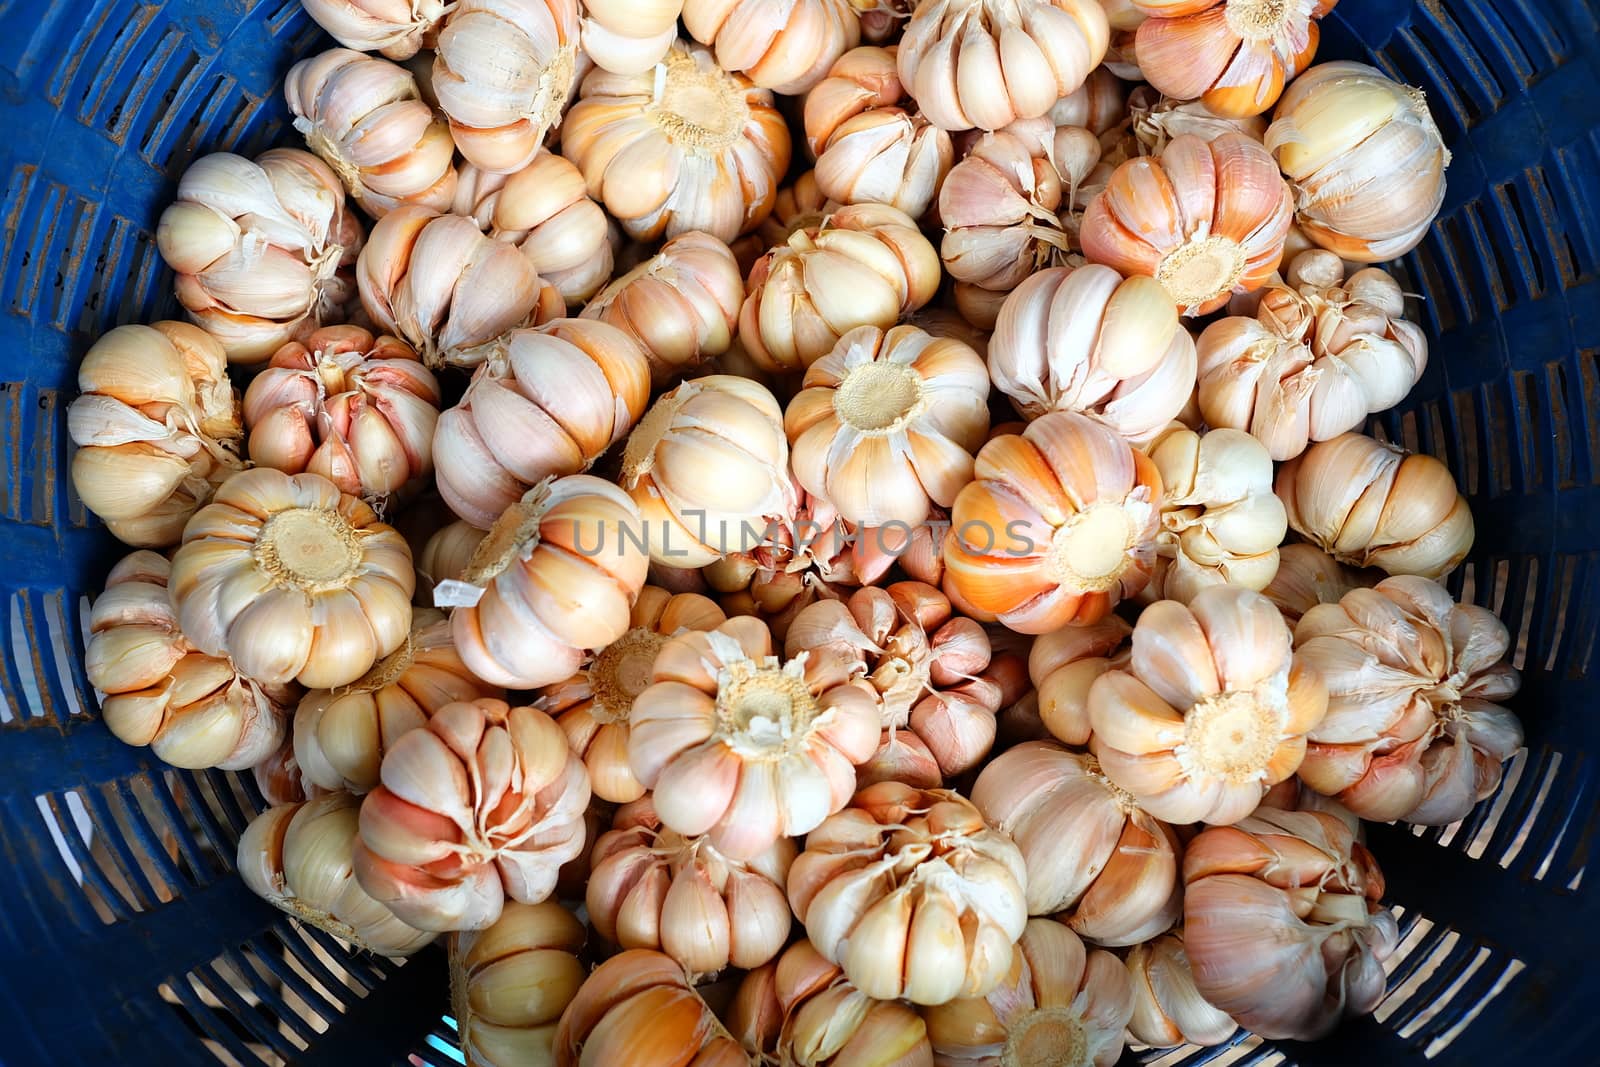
x=135 y=944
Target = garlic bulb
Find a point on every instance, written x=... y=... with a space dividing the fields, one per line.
x=912 y=894
x=556 y=575
x=866 y=265
x=638 y=1009
x=544 y=209
x=545 y=402
x=1095 y=859
x=681 y=304
x=397 y=30
x=1220 y=522
x=1415 y=728
x=356 y=409
x=1205 y=219
x=1364 y=158
x=1064 y=663
x=482 y=803
x=1154 y=120
x=193 y=710
x=1212 y=711
x=1281 y=923
x=654 y=888
x=446 y=289
x=1308 y=576
x=1091 y=341
x=503 y=72
x=787 y=48
x=446 y=556
x=341 y=735
x=986 y=63
x=708 y=467
x=1060 y=1005
x=1233 y=56
x=870 y=143
x=293 y=580
x=1167 y=1008
x=593 y=706
x=157 y=428
x=296 y=857
x=258 y=248
x=1057 y=526
x=1370 y=504
x=887 y=422
x=685 y=146
x=629 y=36
x=364 y=117
x=510 y=983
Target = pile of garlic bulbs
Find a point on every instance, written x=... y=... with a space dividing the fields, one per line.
x=888 y=524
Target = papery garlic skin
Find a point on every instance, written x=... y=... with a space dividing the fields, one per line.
x=1058 y=526
x=193 y=710
x=396 y=30
x=638 y=1009
x=1167 y=1008
x=1370 y=504
x=1282 y=925
x=629 y=36
x=157 y=429
x=1364 y=158
x=787 y=48
x=1416 y=730
x=296 y=857
x=293 y=580
x=684 y=146
x=912 y=894
x=1064 y=663
x=556 y=576
x=593 y=706
x=1212 y=711
x=986 y=63
x=483 y=803
x=510 y=983
x=1154 y=120
x=258 y=248
x=1308 y=576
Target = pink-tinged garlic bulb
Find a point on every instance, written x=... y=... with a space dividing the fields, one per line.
x=556 y=576
x=157 y=429
x=987 y=63
x=1364 y=158
x=1091 y=341
x=1220 y=521
x=708 y=468
x=1415 y=728
x=1308 y=576
x=503 y=72
x=918 y=554
x=1205 y=219
x=1060 y=1004
x=546 y=402
x=193 y=710
x=482 y=803
x=1233 y=56
x=638 y=1009
x=655 y=888
x=1154 y=120
x=1064 y=664
x=364 y=117
x=681 y=304
x=510 y=983
x=1058 y=526
x=395 y=28
x=293 y=580
x=594 y=705
x=685 y=146
x=544 y=209
x=1281 y=923
x=1212 y=711
x=912 y=894
x=787 y=48
x=1370 y=504
x=341 y=735
x=296 y=857
x=629 y=36
x=358 y=410
x=886 y=424
x=866 y=265
x=446 y=556
x=258 y=248
x=1096 y=860
x=1168 y=1009
x=448 y=290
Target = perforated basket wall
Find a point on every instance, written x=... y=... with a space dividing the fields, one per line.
x=126 y=939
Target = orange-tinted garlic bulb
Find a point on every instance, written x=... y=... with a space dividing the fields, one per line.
x=1308 y=576
x=1168 y=1009
x=629 y=36
x=786 y=48
x=638 y=1009
x=1058 y=526
x=396 y=30
x=1063 y=665
x=510 y=983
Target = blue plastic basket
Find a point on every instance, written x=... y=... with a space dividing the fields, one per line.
x=126 y=939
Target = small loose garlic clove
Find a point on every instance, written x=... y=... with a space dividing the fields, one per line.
x=638 y=1009
x=629 y=36
x=1167 y=1008
x=446 y=556
x=397 y=30
x=510 y=983
x=787 y=49
x=918 y=554
x=1063 y=665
